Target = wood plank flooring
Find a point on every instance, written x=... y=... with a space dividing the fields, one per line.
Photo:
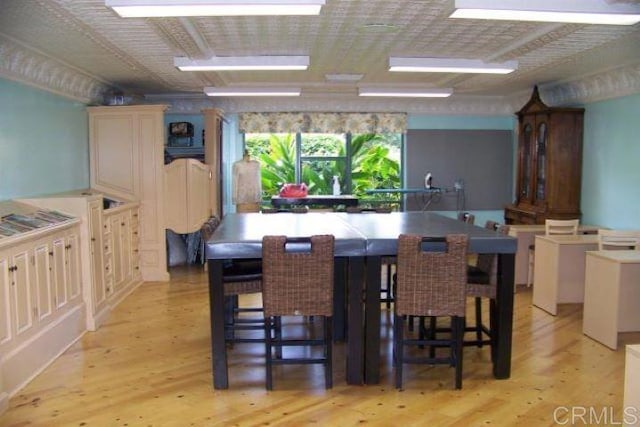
x=150 y=366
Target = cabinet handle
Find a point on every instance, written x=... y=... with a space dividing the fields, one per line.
x=93 y=239
x=122 y=224
x=67 y=247
x=51 y=253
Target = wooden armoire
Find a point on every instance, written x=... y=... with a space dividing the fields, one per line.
x=549 y=163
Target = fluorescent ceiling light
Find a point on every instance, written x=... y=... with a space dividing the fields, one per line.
x=404 y=92
x=443 y=65
x=230 y=91
x=576 y=11
x=158 y=8
x=219 y=63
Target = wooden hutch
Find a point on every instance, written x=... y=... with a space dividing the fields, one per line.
x=549 y=163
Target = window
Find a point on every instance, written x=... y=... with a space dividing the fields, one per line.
x=361 y=161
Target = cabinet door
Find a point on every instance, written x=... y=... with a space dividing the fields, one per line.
x=525 y=161
x=116 y=250
x=540 y=160
x=199 y=188
x=57 y=261
x=20 y=288
x=72 y=265
x=5 y=311
x=125 y=245
x=114 y=152
x=96 y=255
x=42 y=278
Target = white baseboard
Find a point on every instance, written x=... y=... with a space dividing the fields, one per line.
x=25 y=362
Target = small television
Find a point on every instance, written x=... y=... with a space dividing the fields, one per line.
x=181 y=129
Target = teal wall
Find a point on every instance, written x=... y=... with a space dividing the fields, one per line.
x=461 y=122
x=611 y=163
x=43 y=142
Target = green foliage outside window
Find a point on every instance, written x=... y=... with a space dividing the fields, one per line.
x=375 y=162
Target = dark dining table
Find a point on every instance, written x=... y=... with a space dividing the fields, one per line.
x=381 y=232
x=361 y=240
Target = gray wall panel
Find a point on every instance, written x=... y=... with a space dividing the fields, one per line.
x=482 y=159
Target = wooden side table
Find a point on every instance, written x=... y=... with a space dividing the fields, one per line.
x=559 y=269
x=612 y=292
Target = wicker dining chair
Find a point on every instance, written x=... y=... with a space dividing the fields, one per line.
x=239 y=277
x=482 y=282
x=298 y=280
x=430 y=284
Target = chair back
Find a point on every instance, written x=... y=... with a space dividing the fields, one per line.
x=487 y=263
x=618 y=239
x=431 y=283
x=209 y=227
x=297 y=275
x=561 y=226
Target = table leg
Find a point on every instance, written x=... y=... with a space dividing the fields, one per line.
x=372 y=320
x=504 y=322
x=355 y=339
x=339 y=303
x=216 y=314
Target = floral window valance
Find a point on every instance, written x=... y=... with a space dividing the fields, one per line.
x=355 y=123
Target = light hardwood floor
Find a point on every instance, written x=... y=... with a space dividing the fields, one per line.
x=150 y=366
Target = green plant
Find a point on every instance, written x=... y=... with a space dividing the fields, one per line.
x=373 y=165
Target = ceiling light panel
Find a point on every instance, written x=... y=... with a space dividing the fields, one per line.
x=159 y=8
x=230 y=91
x=239 y=63
x=444 y=65
x=574 y=11
x=404 y=92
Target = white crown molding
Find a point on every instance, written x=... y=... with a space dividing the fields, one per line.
x=462 y=105
x=34 y=68
x=616 y=83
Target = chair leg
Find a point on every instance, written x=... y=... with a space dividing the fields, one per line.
x=458 y=329
x=398 y=351
x=479 y=321
x=433 y=323
x=268 y=354
x=328 y=354
x=388 y=291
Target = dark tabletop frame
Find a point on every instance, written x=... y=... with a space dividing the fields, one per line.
x=361 y=240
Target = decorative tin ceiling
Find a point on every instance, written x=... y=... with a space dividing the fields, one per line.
x=89 y=48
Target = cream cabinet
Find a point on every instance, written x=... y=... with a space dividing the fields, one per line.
x=41 y=305
x=88 y=255
x=187 y=184
x=121 y=254
x=126 y=159
x=83 y=254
